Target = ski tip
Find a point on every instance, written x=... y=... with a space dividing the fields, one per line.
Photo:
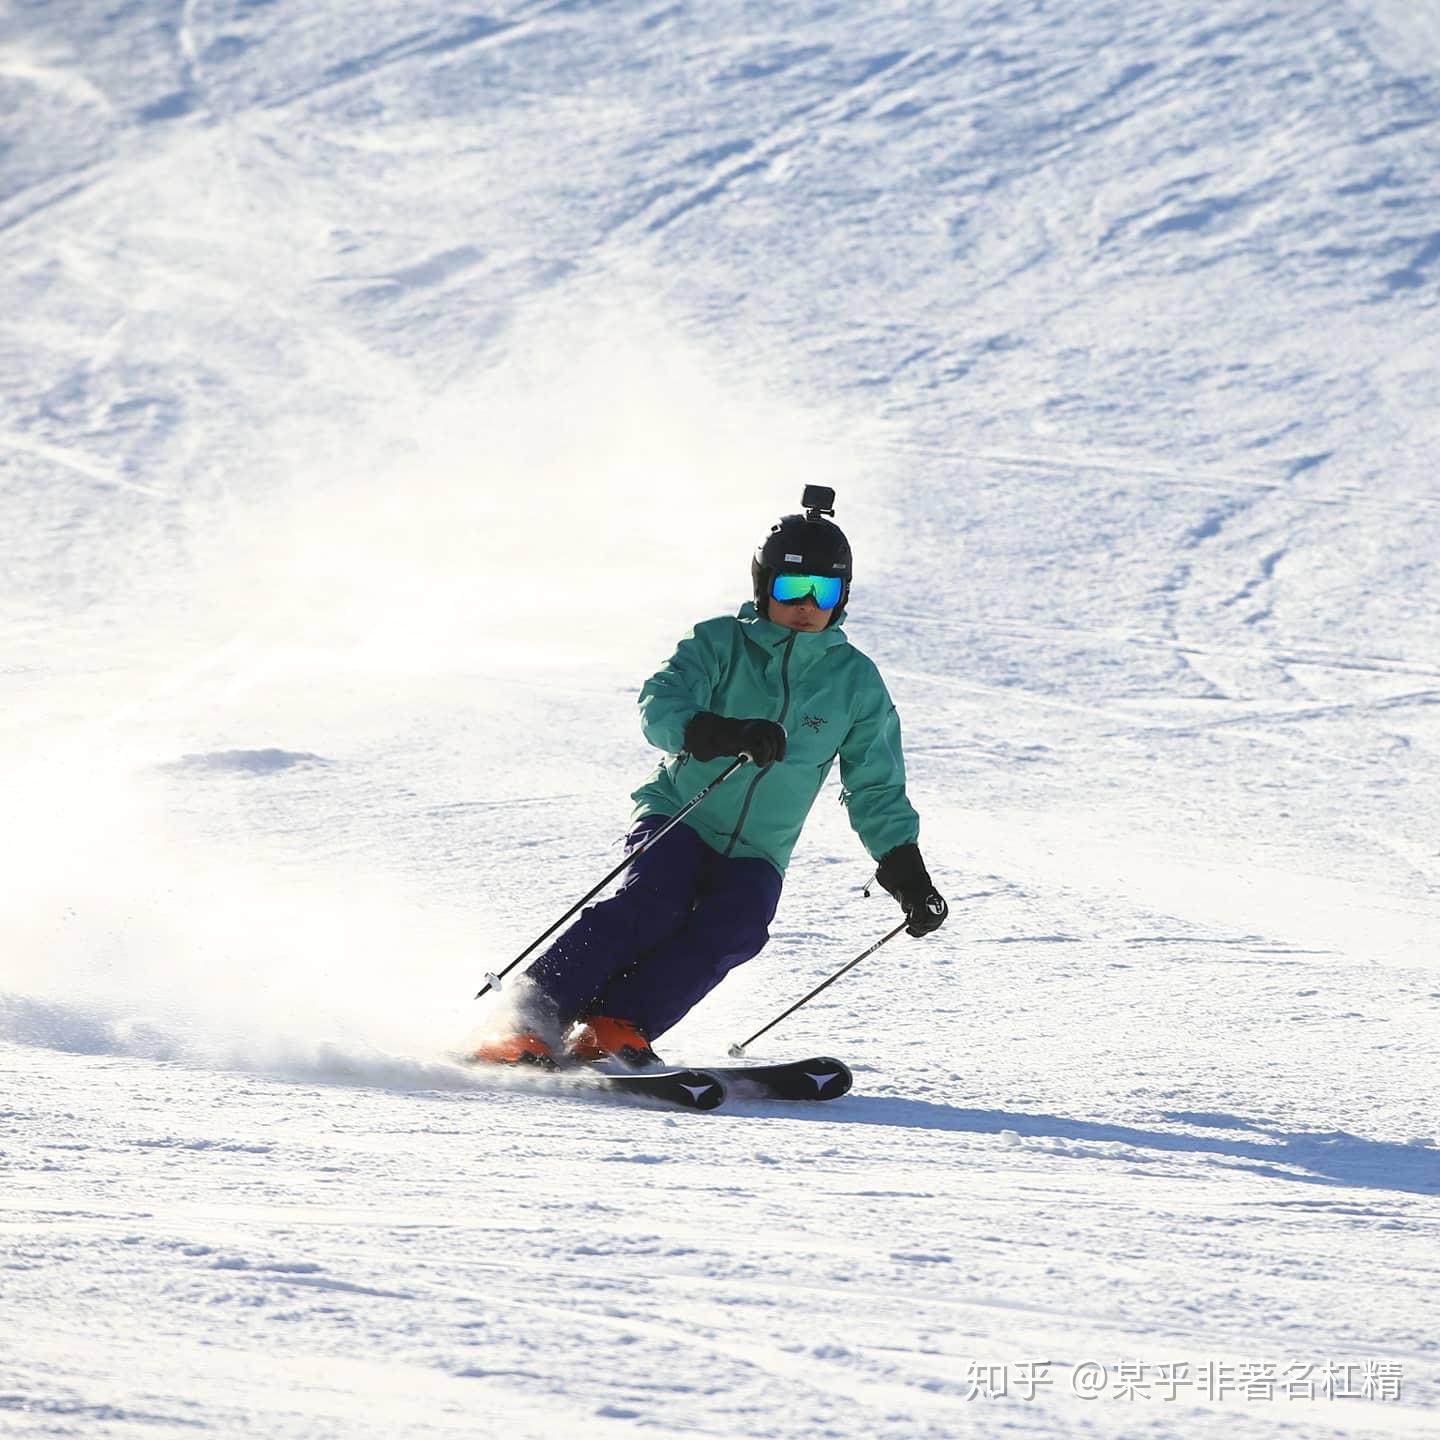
x=821 y=1077
x=697 y=1089
x=840 y=1080
x=693 y=1089
x=709 y=1096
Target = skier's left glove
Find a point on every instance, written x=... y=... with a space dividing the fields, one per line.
x=902 y=872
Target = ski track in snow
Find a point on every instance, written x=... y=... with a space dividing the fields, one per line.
x=380 y=402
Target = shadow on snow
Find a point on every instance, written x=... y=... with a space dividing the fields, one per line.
x=1329 y=1157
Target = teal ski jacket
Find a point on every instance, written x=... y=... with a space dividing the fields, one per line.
x=833 y=704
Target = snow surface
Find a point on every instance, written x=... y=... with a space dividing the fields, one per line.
x=384 y=388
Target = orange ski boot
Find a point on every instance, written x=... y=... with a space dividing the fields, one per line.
x=603 y=1037
x=520 y=1047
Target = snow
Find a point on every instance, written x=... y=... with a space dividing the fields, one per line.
x=383 y=389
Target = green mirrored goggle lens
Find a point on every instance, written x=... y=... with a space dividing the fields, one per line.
x=791 y=589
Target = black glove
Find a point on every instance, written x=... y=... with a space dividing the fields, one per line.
x=902 y=872
x=708 y=736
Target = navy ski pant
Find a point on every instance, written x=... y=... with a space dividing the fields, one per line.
x=683 y=918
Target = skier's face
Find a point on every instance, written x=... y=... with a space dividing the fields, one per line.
x=804 y=614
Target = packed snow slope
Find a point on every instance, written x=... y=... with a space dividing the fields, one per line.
x=384 y=388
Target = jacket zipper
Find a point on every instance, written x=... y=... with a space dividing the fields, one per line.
x=780 y=720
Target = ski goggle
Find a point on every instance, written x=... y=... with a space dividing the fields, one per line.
x=792 y=589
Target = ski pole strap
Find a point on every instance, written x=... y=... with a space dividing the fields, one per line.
x=492 y=982
x=823 y=985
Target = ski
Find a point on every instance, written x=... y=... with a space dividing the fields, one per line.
x=674 y=1084
x=692 y=1089
x=819 y=1078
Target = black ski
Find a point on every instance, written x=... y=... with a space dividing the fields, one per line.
x=675 y=1084
x=694 y=1089
x=818 y=1078
x=821 y=1077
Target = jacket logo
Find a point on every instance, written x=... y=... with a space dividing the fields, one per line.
x=814 y=722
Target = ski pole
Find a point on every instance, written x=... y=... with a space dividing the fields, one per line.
x=740 y=1049
x=492 y=982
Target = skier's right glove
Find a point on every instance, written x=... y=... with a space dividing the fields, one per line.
x=902 y=872
x=708 y=736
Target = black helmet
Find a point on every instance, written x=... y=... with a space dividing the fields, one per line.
x=807 y=544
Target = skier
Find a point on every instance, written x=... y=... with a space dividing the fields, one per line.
x=780 y=683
